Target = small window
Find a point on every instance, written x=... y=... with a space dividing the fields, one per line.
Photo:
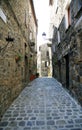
x=47 y=53
x=3 y=16
x=46 y=63
x=25 y=17
x=68 y=17
x=31 y=35
x=56 y=5
x=58 y=33
x=39 y=48
x=51 y=2
x=0 y=2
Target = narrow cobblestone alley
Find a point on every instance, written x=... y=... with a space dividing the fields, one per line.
x=43 y=105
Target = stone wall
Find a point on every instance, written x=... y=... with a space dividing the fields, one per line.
x=14 y=55
x=44 y=50
x=11 y=75
x=68 y=52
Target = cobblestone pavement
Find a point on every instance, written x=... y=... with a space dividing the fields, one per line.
x=43 y=105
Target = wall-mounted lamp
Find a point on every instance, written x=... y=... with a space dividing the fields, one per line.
x=44 y=36
x=8 y=39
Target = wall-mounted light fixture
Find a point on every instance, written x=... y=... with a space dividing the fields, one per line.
x=49 y=40
x=44 y=37
x=9 y=39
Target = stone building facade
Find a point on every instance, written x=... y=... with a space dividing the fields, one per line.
x=18 y=32
x=45 y=60
x=66 y=32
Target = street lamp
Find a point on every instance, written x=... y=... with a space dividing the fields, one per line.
x=43 y=34
x=49 y=39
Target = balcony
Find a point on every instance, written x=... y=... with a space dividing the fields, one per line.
x=32 y=42
x=33 y=46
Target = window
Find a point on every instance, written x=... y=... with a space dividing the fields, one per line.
x=67 y=13
x=25 y=17
x=56 y=6
x=46 y=63
x=53 y=49
x=51 y=2
x=68 y=17
x=0 y=2
x=47 y=53
x=58 y=33
x=39 y=48
x=2 y=15
x=31 y=35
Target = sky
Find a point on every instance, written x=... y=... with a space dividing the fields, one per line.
x=42 y=14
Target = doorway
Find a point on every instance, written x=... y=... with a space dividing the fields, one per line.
x=59 y=64
x=26 y=68
x=67 y=71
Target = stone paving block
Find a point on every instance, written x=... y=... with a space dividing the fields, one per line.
x=33 y=118
x=26 y=118
x=27 y=128
x=15 y=115
x=8 y=128
x=49 y=118
x=35 y=128
x=17 y=128
x=13 y=123
x=4 y=124
x=8 y=115
x=55 y=118
x=61 y=122
x=29 y=111
x=42 y=111
x=19 y=118
x=69 y=126
x=51 y=122
x=76 y=129
x=29 y=123
x=78 y=120
x=40 y=123
x=51 y=127
x=22 y=123
x=70 y=121
x=12 y=119
x=62 y=129
x=36 y=111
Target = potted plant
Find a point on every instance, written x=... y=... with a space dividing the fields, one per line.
x=18 y=57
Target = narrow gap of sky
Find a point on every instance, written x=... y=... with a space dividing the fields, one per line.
x=42 y=14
